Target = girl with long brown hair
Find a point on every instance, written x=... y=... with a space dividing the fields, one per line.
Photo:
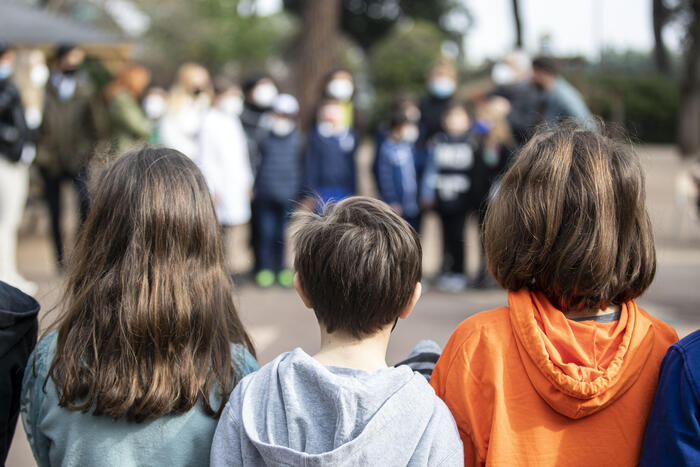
x=149 y=343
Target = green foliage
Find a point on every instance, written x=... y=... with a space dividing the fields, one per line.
x=646 y=104
x=212 y=32
x=400 y=62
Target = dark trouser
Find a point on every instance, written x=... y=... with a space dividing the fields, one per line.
x=52 y=193
x=453 y=240
x=270 y=219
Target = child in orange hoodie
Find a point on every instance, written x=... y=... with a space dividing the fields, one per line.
x=566 y=373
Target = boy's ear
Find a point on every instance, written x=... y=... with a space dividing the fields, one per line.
x=417 y=291
x=299 y=286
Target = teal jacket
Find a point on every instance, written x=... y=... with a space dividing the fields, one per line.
x=61 y=437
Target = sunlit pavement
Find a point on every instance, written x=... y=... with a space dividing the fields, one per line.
x=277 y=320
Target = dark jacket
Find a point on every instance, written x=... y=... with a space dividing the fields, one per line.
x=70 y=129
x=431 y=112
x=278 y=177
x=18 y=330
x=14 y=133
x=457 y=177
x=330 y=164
x=526 y=107
x=673 y=433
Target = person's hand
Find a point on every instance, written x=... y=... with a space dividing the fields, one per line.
x=397 y=208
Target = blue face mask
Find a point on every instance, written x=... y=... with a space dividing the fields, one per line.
x=6 y=70
x=441 y=87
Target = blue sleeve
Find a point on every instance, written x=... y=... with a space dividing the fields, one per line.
x=33 y=397
x=244 y=361
x=673 y=433
x=313 y=166
x=385 y=173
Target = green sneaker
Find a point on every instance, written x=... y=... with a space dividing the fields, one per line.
x=285 y=278
x=265 y=278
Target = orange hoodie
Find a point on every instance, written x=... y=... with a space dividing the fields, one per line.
x=527 y=386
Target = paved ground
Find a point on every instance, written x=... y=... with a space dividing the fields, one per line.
x=278 y=321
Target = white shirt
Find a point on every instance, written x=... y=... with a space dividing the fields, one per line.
x=223 y=159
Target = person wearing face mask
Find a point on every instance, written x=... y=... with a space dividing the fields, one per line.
x=396 y=169
x=442 y=84
x=330 y=156
x=259 y=93
x=561 y=100
x=341 y=87
x=154 y=104
x=69 y=132
x=224 y=162
x=277 y=188
x=190 y=98
x=15 y=136
x=455 y=185
x=130 y=126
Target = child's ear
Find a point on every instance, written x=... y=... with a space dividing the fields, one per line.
x=417 y=291
x=299 y=286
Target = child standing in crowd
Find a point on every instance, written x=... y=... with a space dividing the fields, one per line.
x=396 y=169
x=149 y=345
x=330 y=158
x=359 y=268
x=572 y=358
x=277 y=187
x=455 y=180
x=223 y=159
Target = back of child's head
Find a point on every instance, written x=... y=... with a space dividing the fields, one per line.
x=358 y=263
x=569 y=220
x=148 y=314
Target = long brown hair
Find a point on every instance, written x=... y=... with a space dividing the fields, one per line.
x=570 y=220
x=148 y=315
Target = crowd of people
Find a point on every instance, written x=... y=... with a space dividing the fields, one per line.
x=439 y=153
x=148 y=363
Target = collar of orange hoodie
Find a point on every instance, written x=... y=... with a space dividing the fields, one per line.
x=578 y=368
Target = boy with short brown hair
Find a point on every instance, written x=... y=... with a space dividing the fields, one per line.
x=359 y=268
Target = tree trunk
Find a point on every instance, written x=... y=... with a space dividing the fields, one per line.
x=518 y=25
x=689 y=118
x=660 y=17
x=317 y=51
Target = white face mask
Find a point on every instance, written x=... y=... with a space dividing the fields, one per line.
x=502 y=74
x=66 y=87
x=6 y=70
x=282 y=126
x=340 y=89
x=154 y=106
x=442 y=87
x=409 y=133
x=39 y=75
x=231 y=105
x=264 y=95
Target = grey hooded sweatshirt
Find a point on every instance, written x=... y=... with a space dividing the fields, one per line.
x=295 y=411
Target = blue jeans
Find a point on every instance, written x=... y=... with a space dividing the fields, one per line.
x=270 y=221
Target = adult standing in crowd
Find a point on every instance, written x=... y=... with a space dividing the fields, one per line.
x=561 y=100
x=442 y=84
x=68 y=134
x=513 y=79
x=129 y=124
x=190 y=98
x=14 y=174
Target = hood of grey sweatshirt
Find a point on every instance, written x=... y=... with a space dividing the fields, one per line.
x=296 y=411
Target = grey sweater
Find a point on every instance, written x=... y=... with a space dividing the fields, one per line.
x=296 y=412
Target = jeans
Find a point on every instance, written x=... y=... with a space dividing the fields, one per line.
x=52 y=193
x=270 y=221
x=14 y=185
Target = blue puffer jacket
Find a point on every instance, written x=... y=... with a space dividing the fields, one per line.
x=279 y=174
x=330 y=164
x=673 y=432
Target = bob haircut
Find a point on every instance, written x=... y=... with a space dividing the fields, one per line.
x=148 y=315
x=569 y=220
x=358 y=263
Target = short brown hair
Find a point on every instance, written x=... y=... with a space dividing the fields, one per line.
x=570 y=221
x=358 y=262
x=148 y=314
